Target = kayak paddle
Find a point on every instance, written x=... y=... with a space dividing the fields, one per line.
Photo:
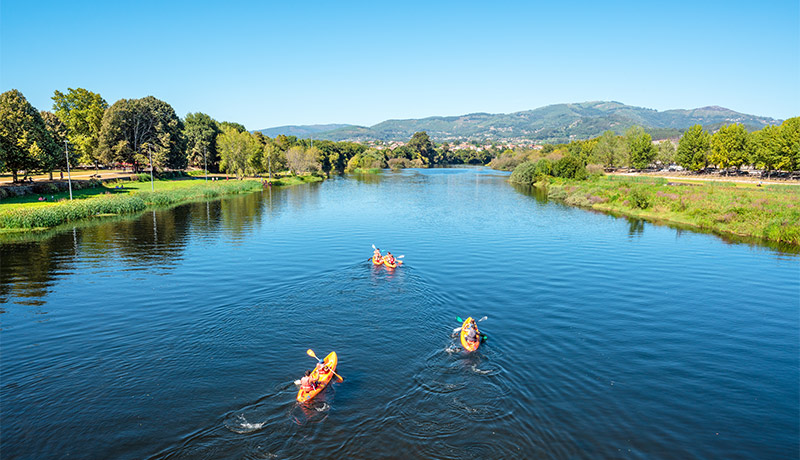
x=310 y=352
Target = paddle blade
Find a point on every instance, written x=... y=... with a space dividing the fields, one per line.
x=373 y=247
x=310 y=352
x=458 y=318
x=485 y=317
x=400 y=257
x=338 y=377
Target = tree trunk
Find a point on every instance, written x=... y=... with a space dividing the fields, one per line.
x=14 y=174
x=51 y=175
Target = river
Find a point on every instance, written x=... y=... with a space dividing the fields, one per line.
x=177 y=334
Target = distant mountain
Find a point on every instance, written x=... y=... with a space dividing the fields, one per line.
x=553 y=123
x=302 y=131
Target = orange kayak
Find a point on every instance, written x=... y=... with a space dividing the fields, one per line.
x=469 y=346
x=377 y=261
x=331 y=360
x=394 y=265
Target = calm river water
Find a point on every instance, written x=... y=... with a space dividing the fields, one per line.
x=178 y=334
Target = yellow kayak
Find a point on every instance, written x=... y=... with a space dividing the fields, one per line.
x=322 y=381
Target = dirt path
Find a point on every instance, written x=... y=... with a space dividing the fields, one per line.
x=739 y=179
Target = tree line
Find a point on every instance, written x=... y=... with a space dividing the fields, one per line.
x=136 y=133
x=773 y=148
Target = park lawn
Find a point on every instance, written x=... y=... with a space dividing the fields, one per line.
x=118 y=198
x=112 y=187
x=771 y=211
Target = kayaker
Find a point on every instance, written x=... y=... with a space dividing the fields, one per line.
x=377 y=254
x=472 y=332
x=322 y=370
x=307 y=383
x=389 y=258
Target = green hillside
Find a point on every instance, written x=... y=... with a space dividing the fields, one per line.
x=553 y=123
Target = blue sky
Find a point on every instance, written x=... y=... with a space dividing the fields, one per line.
x=267 y=64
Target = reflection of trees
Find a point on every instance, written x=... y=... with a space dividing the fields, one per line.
x=26 y=269
x=636 y=227
x=156 y=238
x=366 y=178
x=539 y=193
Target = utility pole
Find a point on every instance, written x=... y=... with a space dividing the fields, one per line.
x=69 y=176
x=205 y=162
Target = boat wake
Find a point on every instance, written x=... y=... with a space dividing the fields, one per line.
x=240 y=425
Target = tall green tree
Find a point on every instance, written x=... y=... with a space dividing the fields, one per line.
x=790 y=142
x=301 y=160
x=665 y=152
x=236 y=149
x=608 y=150
x=135 y=129
x=729 y=146
x=421 y=147
x=201 y=133
x=693 y=148
x=82 y=112
x=56 y=156
x=765 y=149
x=641 y=151
x=24 y=140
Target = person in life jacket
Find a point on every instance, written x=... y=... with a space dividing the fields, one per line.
x=389 y=258
x=377 y=254
x=472 y=332
x=322 y=370
x=307 y=383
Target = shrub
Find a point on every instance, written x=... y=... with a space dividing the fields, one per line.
x=570 y=167
x=639 y=198
x=525 y=173
x=399 y=163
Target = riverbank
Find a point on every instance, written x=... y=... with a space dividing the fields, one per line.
x=38 y=212
x=771 y=212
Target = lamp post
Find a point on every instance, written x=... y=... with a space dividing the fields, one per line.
x=69 y=176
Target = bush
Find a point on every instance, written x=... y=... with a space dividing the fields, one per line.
x=544 y=168
x=570 y=167
x=525 y=173
x=639 y=198
x=399 y=163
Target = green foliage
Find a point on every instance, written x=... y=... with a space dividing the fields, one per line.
x=639 y=198
x=693 y=148
x=525 y=173
x=421 y=147
x=82 y=112
x=25 y=143
x=201 y=131
x=729 y=146
x=135 y=129
x=370 y=160
x=665 y=153
x=236 y=149
x=570 y=167
x=608 y=150
x=639 y=147
x=301 y=160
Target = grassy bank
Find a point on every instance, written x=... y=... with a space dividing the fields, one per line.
x=119 y=198
x=771 y=212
